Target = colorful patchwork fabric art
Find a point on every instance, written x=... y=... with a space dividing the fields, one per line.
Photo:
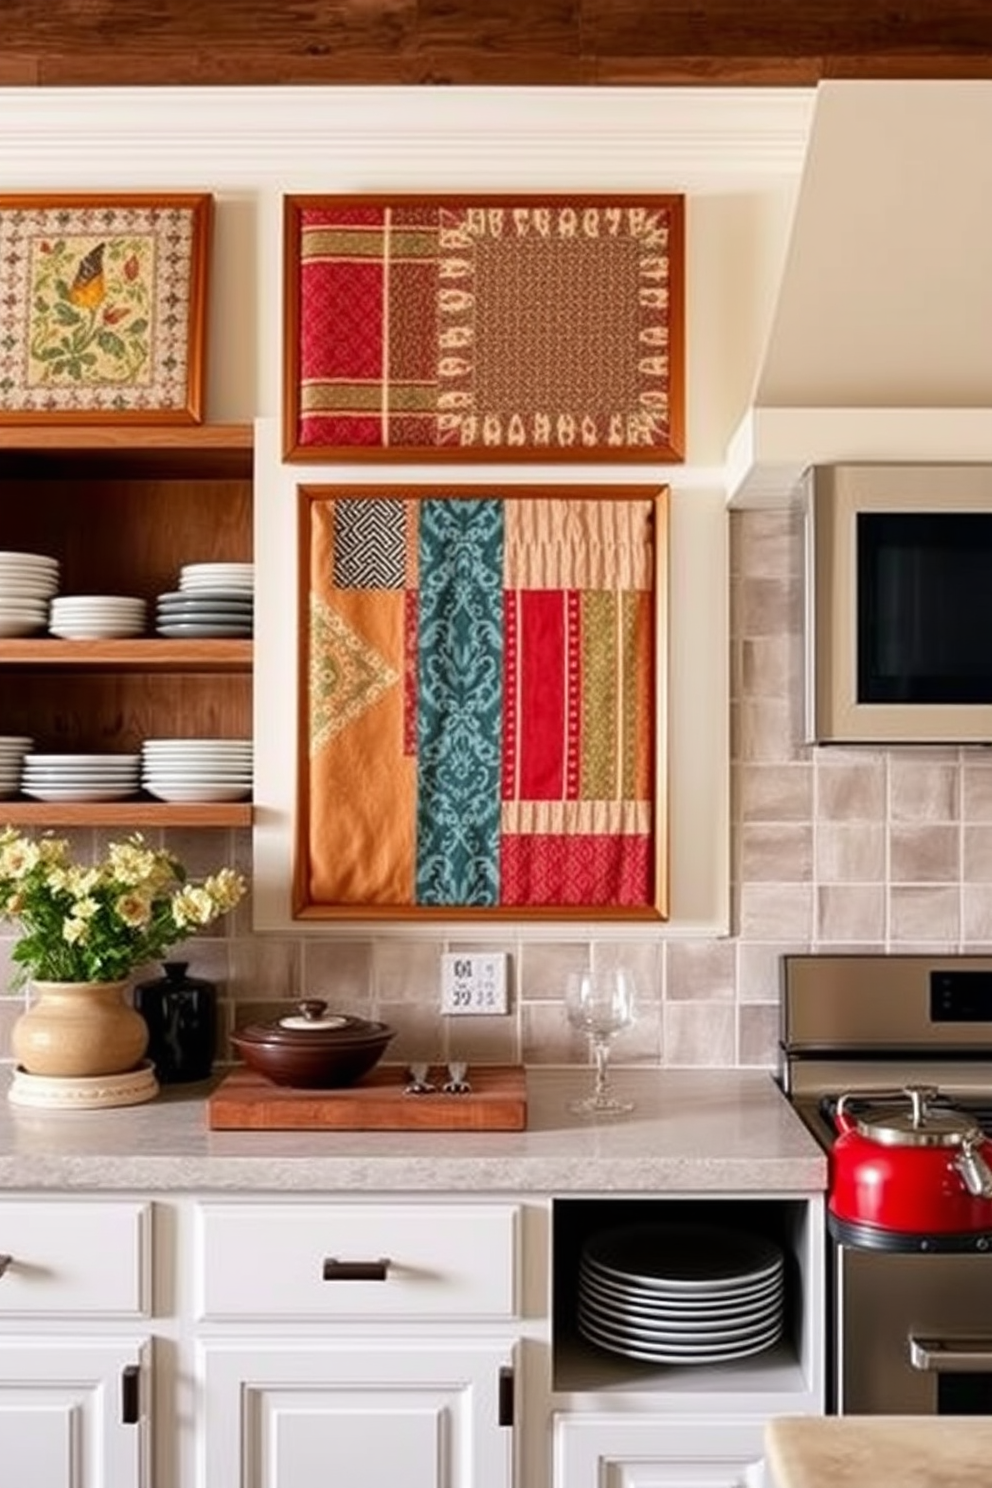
x=506 y=328
x=482 y=702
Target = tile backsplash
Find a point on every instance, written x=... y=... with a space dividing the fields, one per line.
x=866 y=849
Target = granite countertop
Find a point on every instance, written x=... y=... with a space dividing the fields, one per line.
x=879 y=1452
x=708 y=1131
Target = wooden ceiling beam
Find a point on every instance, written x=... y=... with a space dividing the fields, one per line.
x=501 y=42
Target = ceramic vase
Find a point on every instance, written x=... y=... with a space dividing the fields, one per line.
x=73 y=1029
x=181 y=1014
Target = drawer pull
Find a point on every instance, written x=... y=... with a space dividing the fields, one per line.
x=130 y=1395
x=951 y=1355
x=505 y=1411
x=335 y=1270
x=5 y=1261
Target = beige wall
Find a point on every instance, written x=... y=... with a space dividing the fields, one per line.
x=869 y=849
x=831 y=849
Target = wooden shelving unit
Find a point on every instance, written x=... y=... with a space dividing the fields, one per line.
x=123 y=508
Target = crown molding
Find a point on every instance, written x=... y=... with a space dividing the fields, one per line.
x=503 y=138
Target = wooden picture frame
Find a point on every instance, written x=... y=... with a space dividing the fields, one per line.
x=482 y=728
x=484 y=328
x=105 y=299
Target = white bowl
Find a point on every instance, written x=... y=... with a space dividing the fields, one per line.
x=12 y=559
x=28 y=588
x=182 y=790
x=207 y=745
x=80 y=792
x=96 y=630
x=9 y=626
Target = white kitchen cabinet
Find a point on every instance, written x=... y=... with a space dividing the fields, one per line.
x=627 y=1452
x=73 y=1413
x=413 y=1412
x=74 y=1399
x=369 y=1343
x=373 y=1340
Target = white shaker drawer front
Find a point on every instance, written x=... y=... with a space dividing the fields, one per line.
x=74 y=1257
x=362 y=1261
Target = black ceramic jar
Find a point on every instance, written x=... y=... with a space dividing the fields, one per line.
x=181 y=1013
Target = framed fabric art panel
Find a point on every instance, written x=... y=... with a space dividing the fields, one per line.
x=483 y=687
x=104 y=297
x=484 y=327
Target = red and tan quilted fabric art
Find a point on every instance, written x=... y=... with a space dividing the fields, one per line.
x=486 y=327
x=485 y=703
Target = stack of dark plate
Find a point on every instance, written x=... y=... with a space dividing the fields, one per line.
x=680 y=1293
x=213 y=600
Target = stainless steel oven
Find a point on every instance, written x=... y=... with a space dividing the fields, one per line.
x=910 y=1314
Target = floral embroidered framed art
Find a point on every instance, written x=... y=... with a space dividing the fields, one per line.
x=104 y=299
x=483 y=684
x=494 y=328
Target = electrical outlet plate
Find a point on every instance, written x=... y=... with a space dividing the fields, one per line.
x=474 y=982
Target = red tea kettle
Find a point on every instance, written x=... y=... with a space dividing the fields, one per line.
x=911 y=1168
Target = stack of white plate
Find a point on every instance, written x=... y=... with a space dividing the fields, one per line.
x=27 y=583
x=84 y=617
x=236 y=578
x=81 y=777
x=13 y=748
x=197 y=769
x=681 y=1294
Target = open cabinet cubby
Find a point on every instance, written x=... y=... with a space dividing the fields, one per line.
x=123 y=509
x=787 y=1367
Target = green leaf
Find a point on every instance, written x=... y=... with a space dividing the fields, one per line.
x=111 y=343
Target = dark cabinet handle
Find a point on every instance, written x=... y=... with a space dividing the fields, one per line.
x=130 y=1395
x=505 y=1411
x=335 y=1270
x=5 y=1261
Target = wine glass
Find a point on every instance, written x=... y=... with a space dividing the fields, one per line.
x=600 y=1004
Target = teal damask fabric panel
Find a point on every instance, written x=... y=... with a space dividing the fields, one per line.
x=459 y=701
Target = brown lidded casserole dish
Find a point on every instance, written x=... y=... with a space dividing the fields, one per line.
x=313 y=1049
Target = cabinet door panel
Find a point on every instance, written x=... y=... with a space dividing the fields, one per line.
x=422 y=1414
x=61 y=1422
x=608 y=1451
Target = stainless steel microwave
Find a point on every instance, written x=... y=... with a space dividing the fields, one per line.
x=898 y=601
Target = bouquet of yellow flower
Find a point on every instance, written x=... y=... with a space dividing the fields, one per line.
x=98 y=922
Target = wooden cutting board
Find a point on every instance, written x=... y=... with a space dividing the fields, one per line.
x=244 y=1101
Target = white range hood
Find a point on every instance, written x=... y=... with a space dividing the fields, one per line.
x=880 y=341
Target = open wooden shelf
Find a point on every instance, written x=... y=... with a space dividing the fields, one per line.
x=141 y=654
x=208 y=450
x=136 y=813
x=123 y=509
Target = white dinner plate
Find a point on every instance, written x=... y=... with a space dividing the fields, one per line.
x=682 y=1257
x=186 y=792
x=700 y=1318
x=9 y=559
x=203 y=632
x=200 y=775
x=11 y=628
x=673 y=1302
x=689 y=1330
x=86 y=759
x=95 y=631
x=79 y=792
x=663 y=1354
